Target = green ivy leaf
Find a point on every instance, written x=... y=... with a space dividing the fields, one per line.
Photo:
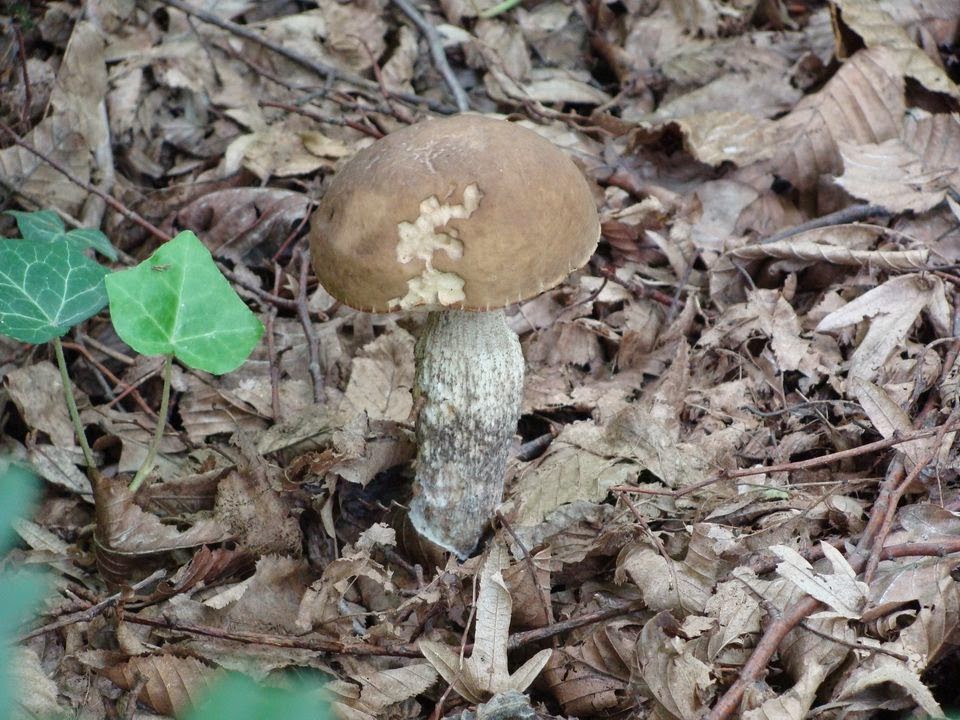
x=46 y=288
x=46 y=226
x=177 y=302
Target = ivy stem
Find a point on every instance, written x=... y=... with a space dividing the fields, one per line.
x=158 y=433
x=72 y=403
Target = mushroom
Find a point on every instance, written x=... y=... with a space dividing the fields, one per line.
x=461 y=217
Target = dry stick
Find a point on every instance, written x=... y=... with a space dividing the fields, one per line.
x=894 y=485
x=756 y=666
x=368 y=649
x=321 y=69
x=797 y=464
x=313 y=345
x=528 y=564
x=128 y=388
x=272 y=349
x=841 y=217
x=607 y=271
x=803 y=464
x=91 y=612
x=893 y=500
x=27 y=95
x=359 y=127
x=880 y=516
x=436 y=52
x=109 y=200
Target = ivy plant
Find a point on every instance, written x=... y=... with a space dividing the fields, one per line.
x=48 y=285
x=178 y=304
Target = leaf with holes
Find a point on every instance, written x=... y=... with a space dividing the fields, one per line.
x=46 y=226
x=46 y=288
x=177 y=302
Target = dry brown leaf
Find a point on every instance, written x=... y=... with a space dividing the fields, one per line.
x=486 y=673
x=321 y=603
x=262 y=520
x=173 y=684
x=209 y=409
x=679 y=681
x=529 y=584
x=38 y=392
x=243 y=223
x=877 y=28
x=665 y=584
x=862 y=103
x=893 y=176
x=806 y=248
x=892 y=307
x=34 y=692
x=81 y=84
x=125 y=533
x=276 y=151
x=381 y=378
x=738 y=616
x=134 y=431
x=839 y=590
x=887 y=417
x=590 y=677
x=379 y=690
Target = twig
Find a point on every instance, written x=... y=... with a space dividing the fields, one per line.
x=368 y=649
x=531 y=568
x=756 y=666
x=531 y=636
x=272 y=350
x=27 y=96
x=128 y=389
x=114 y=204
x=91 y=612
x=436 y=52
x=605 y=269
x=893 y=498
x=313 y=345
x=359 y=127
x=840 y=217
x=321 y=69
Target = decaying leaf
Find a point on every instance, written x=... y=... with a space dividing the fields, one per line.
x=485 y=673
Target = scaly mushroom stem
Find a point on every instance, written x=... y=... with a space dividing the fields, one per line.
x=470 y=379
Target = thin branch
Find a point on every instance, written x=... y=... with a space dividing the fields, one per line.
x=436 y=52
x=94 y=610
x=841 y=217
x=114 y=204
x=321 y=69
x=313 y=345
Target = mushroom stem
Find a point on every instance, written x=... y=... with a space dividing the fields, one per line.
x=470 y=379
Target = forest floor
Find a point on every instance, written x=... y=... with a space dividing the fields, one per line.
x=734 y=487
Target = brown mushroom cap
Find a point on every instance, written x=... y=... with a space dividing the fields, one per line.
x=467 y=212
